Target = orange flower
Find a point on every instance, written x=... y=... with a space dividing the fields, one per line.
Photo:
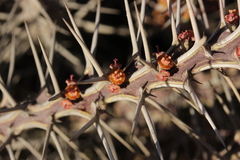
x=72 y=91
x=165 y=61
x=117 y=76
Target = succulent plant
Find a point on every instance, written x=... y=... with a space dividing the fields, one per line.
x=193 y=84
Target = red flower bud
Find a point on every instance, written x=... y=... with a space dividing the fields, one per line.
x=114 y=88
x=232 y=17
x=163 y=75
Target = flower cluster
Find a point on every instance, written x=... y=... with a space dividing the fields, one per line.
x=116 y=76
x=71 y=92
x=165 y=63
x=187 y=35
x=232 y=17
x=186 y=39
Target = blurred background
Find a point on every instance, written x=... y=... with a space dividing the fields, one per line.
x=113 y=42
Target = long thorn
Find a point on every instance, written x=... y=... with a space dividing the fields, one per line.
x=52 y=75
x=173 y=24
x=29 y=147
x=45 y=145
x=221 y=12
x=10 y=152
x=114 y=134
x=203 y=111
x=193 y=21
x=12 y=60
x=36 y=59
x=52 y=49
x=131 y=28
x=57 y=144
x=84 y=47
x=95 y=33
x=89 y=68
x=104 y=141
x=152 y=131
x=144 y=39
x=7 y=95
x=71 y=144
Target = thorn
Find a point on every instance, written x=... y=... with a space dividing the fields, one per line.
x=196 y=81
x=130 y=61
x=55 y=97
x=22 y=106
x=93 y=80
x=190 y=75
x=144 y=86
x=221 y=70
x=102 y=111
x=149 y=94
x=208 y=53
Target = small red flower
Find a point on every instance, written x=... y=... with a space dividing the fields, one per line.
x=187 y=35
x=165 y=61
x=72 y=91
x=114 y=88
x=66 y=104
x=116 y=76
x=163 y=75
x=232 y=17
x=238 y=51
